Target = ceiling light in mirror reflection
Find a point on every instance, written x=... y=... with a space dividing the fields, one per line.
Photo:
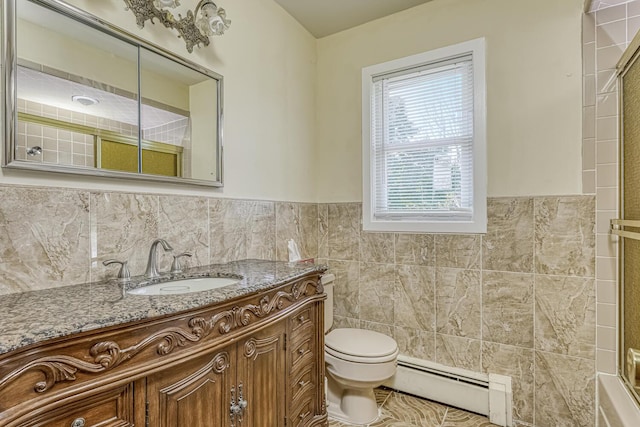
x=84 y=100
x=56 y=92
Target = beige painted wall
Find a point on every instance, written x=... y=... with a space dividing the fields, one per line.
x=292 y=127
x=117 y=68
x=42 y=46
x=269 y=66
x=534 y=89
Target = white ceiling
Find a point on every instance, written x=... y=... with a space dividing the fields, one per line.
x=57 y=92
x=324 y=17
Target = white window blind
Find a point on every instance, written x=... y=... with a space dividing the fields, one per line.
x=422 y=136
x=424 y=161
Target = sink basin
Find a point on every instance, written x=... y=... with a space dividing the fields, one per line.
x=184 y=286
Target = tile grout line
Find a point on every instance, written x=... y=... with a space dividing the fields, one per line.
x=533 y=344
x=482 y=346
x=534 y=352
x=434 y=340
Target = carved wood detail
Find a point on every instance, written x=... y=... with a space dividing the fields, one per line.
x=252 y=345
x=54 y=369
x=220 y=362
x=107 y=355
x=237 y=317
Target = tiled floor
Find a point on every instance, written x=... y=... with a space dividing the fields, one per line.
x=402 y=410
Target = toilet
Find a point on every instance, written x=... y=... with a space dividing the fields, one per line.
x=357 y=361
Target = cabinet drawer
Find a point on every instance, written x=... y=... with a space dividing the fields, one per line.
x=109 y=409
x=302 y=385
x=301 y=414
x=301 y=319
x=300 y=351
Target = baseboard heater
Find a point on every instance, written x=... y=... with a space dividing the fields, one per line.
x=486 y=394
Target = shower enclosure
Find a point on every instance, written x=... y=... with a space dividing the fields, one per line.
x=628 y=226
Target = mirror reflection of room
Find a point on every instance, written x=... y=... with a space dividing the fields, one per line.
x=78 y=102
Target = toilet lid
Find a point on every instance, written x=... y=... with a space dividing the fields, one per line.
x=360 y=342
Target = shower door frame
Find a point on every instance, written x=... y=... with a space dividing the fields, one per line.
x=629 y=57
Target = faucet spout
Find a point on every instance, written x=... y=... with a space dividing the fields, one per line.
x=152 y=263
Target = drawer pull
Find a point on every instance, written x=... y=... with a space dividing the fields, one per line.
x=301 y=319
x=303 y=383
x=78 y=422
x=305 y=415
x=301 y=351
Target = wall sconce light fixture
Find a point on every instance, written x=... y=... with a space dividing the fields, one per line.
x=206 y=20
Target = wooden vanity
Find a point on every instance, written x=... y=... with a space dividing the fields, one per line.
x=251 y=361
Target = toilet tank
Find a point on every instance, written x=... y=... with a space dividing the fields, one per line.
x=327 y=282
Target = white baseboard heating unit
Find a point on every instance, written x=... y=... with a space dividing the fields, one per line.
x=486 y=394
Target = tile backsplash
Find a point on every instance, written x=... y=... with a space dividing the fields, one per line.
x=58 y=237
x=517 y=301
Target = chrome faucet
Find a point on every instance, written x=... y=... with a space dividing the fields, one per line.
x=152 y=263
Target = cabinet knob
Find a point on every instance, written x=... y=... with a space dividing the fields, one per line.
x=301 y=319
x=305 y=415
x=78 y=422
x=303 y=383
x=301 y=351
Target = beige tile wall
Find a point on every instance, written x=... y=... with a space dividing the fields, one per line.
x=606 y=33
x=518 y=301
x=58 y=237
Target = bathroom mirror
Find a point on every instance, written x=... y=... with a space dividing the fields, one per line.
x=87 y=98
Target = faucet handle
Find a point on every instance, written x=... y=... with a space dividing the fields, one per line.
x=124 y=273
x=175 y=266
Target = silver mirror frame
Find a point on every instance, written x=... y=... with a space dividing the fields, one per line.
x=8 y=74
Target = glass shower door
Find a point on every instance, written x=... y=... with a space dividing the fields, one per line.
x=628 y=227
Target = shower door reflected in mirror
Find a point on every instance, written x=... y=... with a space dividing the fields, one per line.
x=93 y=100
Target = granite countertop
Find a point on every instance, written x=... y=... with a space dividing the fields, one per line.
x=30 y=317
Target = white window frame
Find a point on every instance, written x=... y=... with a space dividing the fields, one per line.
x=478 y=222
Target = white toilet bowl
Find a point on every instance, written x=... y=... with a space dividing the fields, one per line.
x=357 y=361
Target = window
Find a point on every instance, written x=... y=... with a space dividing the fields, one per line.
x=424 y=149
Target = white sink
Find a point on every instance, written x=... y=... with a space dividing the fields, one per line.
x=184 y=286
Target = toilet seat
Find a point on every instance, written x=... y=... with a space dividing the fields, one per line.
x=359 y=345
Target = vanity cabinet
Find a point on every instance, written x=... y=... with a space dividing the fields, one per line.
x=251 y=361
x=240 y=385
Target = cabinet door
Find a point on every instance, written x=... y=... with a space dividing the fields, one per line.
x=261 y=378
x=113 y=408
x=194 y=393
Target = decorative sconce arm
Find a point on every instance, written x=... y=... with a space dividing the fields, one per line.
x=144 y=10
x=193 y=28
